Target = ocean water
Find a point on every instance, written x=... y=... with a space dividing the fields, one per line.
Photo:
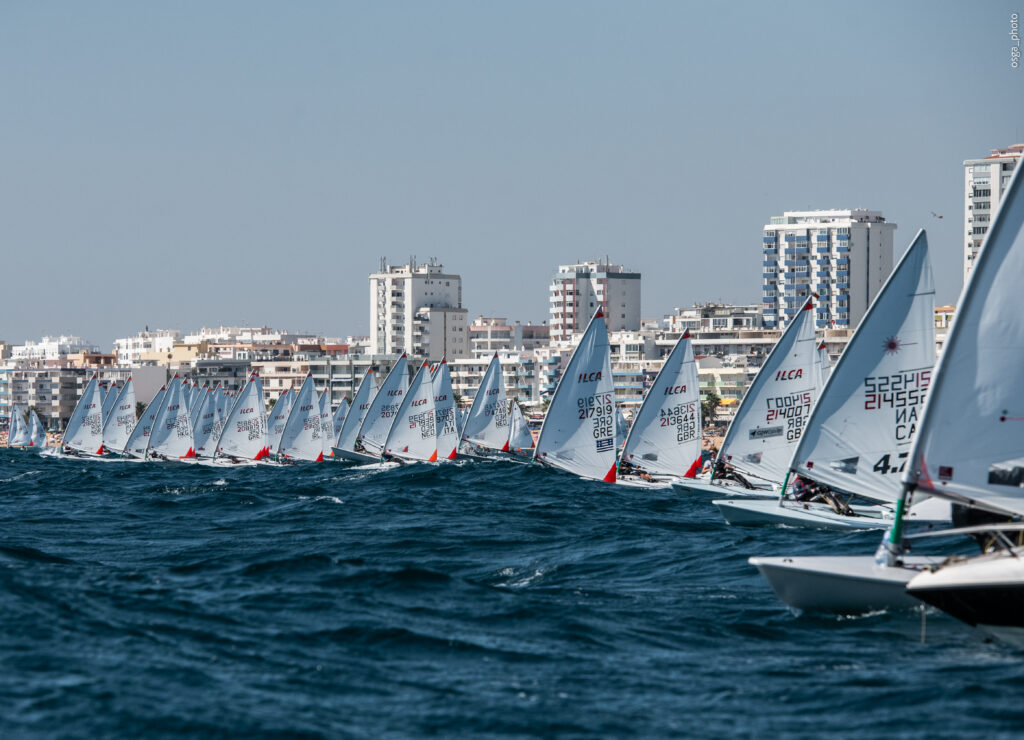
x=479 y=599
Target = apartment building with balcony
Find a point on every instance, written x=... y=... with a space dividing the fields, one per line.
x=845 y=256
x=577 y=291
x=985 y=183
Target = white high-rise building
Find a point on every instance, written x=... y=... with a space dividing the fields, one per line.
x=985 y=182
x=845 y=256
x=576 y=291
x=416 y=309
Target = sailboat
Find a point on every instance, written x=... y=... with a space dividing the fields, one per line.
x=138 y=442
x=18 y=434
x=413 y=436
x=445 y=419
x=120 y=420
x=970 y=444
x=301 y=438
x=520 y=440
x=326 y=425
x=344 y=447
x=84 y=432
x=205 y=424
x=172 y=437
x=578 y=434
x=845 y=469
x=381 y=414
x=664 y=442
x=244 y=437
x=277 y=418
x=768 y=423
x=36 y=432
x=486 y=427
x=337 y=423
x=964 y=431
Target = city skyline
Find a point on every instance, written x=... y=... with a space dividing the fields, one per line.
x=169 y=189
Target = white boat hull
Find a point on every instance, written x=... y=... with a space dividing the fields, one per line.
x=350 y=455
x=821 y=516
x=985 y=591
x=852 y=584
x=720 y=487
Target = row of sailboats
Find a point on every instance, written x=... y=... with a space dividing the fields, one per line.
x=184 y=422
x=967 y=449
x=25 y=429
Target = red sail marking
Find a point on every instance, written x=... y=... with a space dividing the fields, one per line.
x=610 y=477
x=452 y=456
x=694 y=469
x=433 y=457
x=190 y=453
x=505 y=448
x=320 y=457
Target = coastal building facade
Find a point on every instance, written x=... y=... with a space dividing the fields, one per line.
x=576 y=291
x=844 y=256
x=985 y=183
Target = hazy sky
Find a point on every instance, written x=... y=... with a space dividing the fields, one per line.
x=187 y=164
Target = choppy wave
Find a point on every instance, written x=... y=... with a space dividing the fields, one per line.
x=486 y=599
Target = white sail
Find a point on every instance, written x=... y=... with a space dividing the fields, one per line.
x=205 y=424
x=519 y=437
x=824 y=364
x=197 y=404
x=277 y=418
x=301 y=436
x=339 y=419
x=578 y=434
x=207 y=445
x=18 y=434
x=858 y=436
x=360 y=405
x=413 y=436
x=384 y=408
x=487 y=423
x=326 y=425
x=172 y=431
x=120 y=420
x=109 y=399
x=666 y=433
x=138 y=442
x=970 y=442
x=245 y=431
x=771 y=417
x=37 y=433
x=445 y=418
x=621 y=425
x=84 y=431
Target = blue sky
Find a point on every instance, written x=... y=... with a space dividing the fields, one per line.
x=204 y=163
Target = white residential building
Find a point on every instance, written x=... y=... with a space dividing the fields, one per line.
x=985 y=183
x=398 y=295
x=576 y=291
x=845 y=256
x=51 y=348
x=129 y=349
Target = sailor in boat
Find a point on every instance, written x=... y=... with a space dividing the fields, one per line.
x=68 y=450
x=728 y=472
x=627 y=469
x=808 y=491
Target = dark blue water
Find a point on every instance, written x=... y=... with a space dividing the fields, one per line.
x=484 y=600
